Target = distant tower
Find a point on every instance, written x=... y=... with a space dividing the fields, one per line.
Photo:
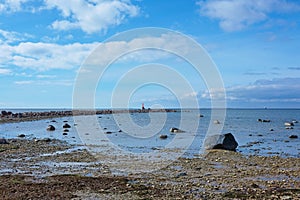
x=143 y=107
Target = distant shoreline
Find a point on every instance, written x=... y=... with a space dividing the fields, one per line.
x=7 y=116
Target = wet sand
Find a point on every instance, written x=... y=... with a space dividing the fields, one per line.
x=52 y=169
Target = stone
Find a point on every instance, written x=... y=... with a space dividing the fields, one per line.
x=108 y=132
x=293 y=136
x=289 y=124
x=175 y=130
x=50 y=128
x=216 y=122
x=163 y=136
x=223 y=141
x=66 y=130
x=66 y=126
x=65 y=133
x=21 y=135
x=3 y=141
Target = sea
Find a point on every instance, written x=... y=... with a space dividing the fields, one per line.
x=140 y=133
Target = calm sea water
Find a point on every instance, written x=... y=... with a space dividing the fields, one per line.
x=142 y=133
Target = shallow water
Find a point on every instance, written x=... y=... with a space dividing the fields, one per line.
x=142 y=135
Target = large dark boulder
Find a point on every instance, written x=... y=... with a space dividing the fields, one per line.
x=3 y=141
x=223 y=141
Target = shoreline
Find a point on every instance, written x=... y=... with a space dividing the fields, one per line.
x=54 y=169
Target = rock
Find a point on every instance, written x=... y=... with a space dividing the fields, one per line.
x=216 y=122
x=223 y=141
x=108 y=132
x=295 y=121
x=120 y=131
x=163 y=136
x=3 y=141
x=181 y=174
x=4 y=113
x=289 y=124
x=65 y=121
x=65 y=133
x=46 y=140
x=293 y=136
x=66 y=126
x=21 y=135
x=175 y=130
x=201 y=115
x=50 y=128
x=289 y=127
x=271 y=129
x=264 y=120
x=53 y=121
x=66 y=130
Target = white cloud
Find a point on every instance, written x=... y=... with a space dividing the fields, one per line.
x=91 y=16
x=238 y=14
x=4 y=71
x=279 y=89
x=12 y=5
x=45 y=56
x=42 y=82
x=8 y=37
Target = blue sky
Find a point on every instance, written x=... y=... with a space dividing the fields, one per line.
x=255 y=45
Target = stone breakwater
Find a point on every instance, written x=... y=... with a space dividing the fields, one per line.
x=8 y=116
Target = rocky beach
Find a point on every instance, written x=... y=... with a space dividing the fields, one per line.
x=48 y=168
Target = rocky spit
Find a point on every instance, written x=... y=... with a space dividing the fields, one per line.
x=52 y=169
x=8 y=116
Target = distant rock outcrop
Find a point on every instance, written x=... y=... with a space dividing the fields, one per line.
x=223 y=141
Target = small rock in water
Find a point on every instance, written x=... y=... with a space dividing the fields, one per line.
x=163 y=136
x=65 y=121
x=201 y=115
x=293 y=136
x=175 y=130
x=50 y=128
x=289 y=124
x=3 y=141
x=271 y=129
x=108 y=132
x=65 y=133
x=289 y=127
x=216 y=122
x=66 y=126
x=53 y=121
x=21 y=135
x=120 y=131
x=66 y=130
x=295 y=121
x=224 y=141
x=264 y=120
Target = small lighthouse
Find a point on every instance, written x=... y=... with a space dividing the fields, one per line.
x=143 y=106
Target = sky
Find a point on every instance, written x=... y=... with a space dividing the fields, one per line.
x=254 y=44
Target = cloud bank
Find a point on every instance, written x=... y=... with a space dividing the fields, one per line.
x=235 y=15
